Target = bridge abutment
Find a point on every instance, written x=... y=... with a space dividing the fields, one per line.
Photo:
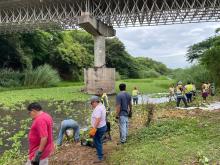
x=99 y=76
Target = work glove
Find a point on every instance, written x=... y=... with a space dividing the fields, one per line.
x=92 y=132
x=36 y=160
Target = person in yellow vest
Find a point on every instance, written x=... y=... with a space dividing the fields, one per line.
x=105 y=102
x=189 y=91
x=135 y=93
x=180 y=95
x=104 y=99
x=172 y=93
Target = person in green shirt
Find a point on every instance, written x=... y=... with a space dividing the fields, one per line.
x=135 y=93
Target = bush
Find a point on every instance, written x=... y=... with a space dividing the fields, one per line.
x=42 y=76
x=149 y=74
x=117 y=76
x=10 y=78
x=196 y=74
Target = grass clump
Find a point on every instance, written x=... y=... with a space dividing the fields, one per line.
x=146 y=86
x=42 y=76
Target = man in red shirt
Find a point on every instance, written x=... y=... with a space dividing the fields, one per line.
x=40 y=136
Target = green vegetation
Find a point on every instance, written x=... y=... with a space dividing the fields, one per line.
x=42 y=76
x=70 y=91
x=10 y=78
x=9 y=98
x=196 y=74
x=207 y=54
x=69 y=52
x=146 y=86
x=131 y=67
x=185 y=140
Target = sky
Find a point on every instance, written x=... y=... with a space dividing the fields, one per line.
x=165 y=43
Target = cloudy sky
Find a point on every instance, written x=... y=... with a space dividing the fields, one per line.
x=165 y=43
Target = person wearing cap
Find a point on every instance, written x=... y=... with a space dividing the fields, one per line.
x=66 y=125
x=98 y=122
x=40 y=136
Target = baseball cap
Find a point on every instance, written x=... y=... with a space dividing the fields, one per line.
x=94 y=98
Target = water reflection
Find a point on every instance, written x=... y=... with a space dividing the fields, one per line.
x=143 y=99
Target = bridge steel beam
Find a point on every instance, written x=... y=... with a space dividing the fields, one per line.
x=26 y=15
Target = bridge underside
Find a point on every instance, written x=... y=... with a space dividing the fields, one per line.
x=25 y=15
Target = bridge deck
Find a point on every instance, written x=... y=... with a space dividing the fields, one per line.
x=22 y=14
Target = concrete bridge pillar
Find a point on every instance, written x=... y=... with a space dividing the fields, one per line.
x=99 y=76
x=99 y=51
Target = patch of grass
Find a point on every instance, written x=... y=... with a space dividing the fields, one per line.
x=172 y=141
x=150 y=85
x=9 y=98
x=69 y=83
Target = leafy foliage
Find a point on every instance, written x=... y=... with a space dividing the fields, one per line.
x=69 y=52
x=211 y=60
x=207 y=54
x=10 y=78
x=131 y=67
x=196 y=74
x=196 y=51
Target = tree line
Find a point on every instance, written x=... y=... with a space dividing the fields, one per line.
x=69 y=52
x=206 y=54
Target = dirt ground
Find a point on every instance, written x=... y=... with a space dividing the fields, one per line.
x=75 y=154
x=72 y=154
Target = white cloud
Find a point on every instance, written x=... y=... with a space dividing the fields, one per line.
x=167 y=44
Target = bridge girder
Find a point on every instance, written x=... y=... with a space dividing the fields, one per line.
x=25 y=15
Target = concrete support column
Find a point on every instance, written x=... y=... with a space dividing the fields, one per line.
x=99 y=51
x=99 y=76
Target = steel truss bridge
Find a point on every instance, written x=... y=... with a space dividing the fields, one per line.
x=26 y=15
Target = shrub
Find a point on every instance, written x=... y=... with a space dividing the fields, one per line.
x=42 y=76
x=117 y=76
x=196 y=74
x=149 y=74
x=10 y=78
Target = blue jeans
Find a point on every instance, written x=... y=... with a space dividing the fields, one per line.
x=123 y=127
x=135 y=100
x=98 y=141
x=68 y=124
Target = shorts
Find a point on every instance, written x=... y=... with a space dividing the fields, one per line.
x=205 y=94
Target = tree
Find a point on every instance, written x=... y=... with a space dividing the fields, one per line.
x=117 y=57
x=195 y=51
x=70 y=58
x=211 y=59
